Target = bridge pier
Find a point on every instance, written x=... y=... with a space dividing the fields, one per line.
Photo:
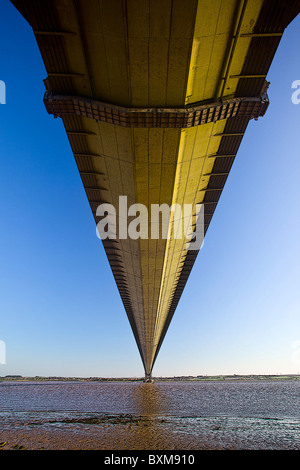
x=148 y=379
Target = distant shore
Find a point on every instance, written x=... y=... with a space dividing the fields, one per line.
x=198 y=378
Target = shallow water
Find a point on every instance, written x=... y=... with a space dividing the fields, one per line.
x=241 y=414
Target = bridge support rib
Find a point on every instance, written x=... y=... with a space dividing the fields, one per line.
x=185 y=117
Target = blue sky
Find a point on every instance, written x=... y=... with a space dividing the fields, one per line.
x=60 y=310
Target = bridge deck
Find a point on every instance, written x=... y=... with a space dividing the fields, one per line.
x=158 y=54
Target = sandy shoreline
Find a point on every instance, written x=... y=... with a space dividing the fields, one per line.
x=116 y=437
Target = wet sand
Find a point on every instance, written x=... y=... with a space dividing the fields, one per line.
x=140 y=436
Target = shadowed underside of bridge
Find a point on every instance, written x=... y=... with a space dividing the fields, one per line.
x=155 y=97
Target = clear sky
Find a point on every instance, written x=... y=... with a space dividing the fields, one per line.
x=61 y=313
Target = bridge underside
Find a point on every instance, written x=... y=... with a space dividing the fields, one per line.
x=155 y=97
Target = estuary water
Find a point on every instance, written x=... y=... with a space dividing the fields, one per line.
x=200 y=415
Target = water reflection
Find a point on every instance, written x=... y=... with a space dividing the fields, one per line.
x=151 y=431
x=149 y=400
